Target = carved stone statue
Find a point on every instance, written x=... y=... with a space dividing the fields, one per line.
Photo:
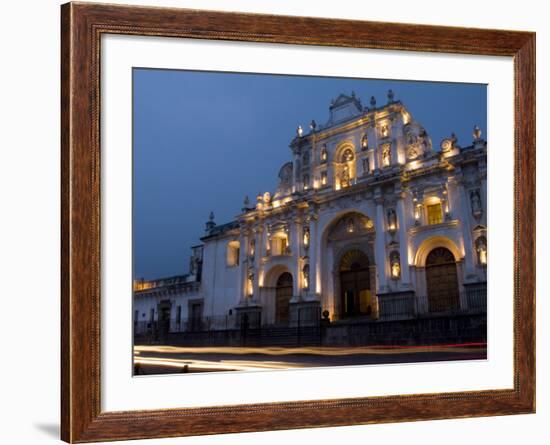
x=481 y=248
x=344 y=179
x=306 y=236
x=476 y=133
x=475 y=201
x=366 y=167
x=395 y=265
x=386 y=155
x=392 y=219
x=372 y=102
x=305 y=272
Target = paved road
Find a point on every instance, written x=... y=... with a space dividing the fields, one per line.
x=174 y=360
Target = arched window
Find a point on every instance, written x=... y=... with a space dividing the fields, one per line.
x=279 y=244
x=233 y=252
x=434 y=212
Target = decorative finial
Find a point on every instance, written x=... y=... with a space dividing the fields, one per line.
x=313 y=125
x=372 y=102
x=390 y=96
x=476 y=133
x=210 y=224
x=299 y=131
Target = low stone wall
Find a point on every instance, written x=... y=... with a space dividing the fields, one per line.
x=460 y=328
x=464 y=328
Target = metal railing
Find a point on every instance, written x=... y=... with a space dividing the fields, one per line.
x=476 y=298
x=402 y=307
x=193 y=324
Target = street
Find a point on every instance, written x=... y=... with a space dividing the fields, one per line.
x=150 y=360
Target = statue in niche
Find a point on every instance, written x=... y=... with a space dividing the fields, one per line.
x=345 y=179
x=252 y=247
x=475 y=201
x=305 y=272
x=350 y=225
x=193 y=265
x=324 y=154
x=395 y=265
x=364 y=142
x=366 y=167
x=423 y=139
x=392 y=219
x=306 y=236
x=386 y=155
x=481 y=248
x=411 y=138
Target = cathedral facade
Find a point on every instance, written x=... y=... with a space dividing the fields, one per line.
x=368 y=223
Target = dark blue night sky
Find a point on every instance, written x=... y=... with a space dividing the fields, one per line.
x=202 y=141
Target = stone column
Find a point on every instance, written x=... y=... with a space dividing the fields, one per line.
x=294 y=242
x=243 y=263
x=373 y=142
x=257 y=260
x=313 y=257
x=466 y=231
x=380 y=247
x=403 y=242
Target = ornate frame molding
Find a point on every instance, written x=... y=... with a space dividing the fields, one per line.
x=82 y=26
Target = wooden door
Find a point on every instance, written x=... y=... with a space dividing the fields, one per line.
x=442 y=281
x=283 y=294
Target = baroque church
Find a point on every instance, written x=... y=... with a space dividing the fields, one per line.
x=369 y=223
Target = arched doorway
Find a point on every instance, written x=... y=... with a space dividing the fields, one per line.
x=283 y=294
x=441 y=280
x=355 y=291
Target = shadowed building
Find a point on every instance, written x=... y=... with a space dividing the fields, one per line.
x=368 y=224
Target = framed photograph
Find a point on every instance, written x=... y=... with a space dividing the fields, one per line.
x=275 y=222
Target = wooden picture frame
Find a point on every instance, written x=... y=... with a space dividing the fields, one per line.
x=82 y=26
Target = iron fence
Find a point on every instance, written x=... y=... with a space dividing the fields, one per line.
x=307 y=323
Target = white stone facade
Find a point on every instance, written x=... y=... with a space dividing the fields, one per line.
x=368 y=219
